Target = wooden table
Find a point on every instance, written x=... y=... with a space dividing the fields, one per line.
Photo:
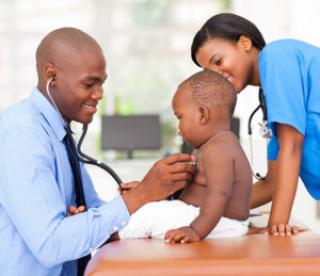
x=250 y=255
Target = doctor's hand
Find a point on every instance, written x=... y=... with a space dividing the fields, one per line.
x=167 y=176
x=74 y=210
x=164 y=178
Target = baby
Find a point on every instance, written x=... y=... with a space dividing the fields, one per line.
x=216 y=203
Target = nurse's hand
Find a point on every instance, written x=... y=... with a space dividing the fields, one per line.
x=282 y=230
x=164 y=178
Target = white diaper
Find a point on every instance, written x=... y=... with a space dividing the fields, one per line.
x=154 y=219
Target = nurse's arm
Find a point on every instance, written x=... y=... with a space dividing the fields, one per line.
x=286 y=178
x=262 y=189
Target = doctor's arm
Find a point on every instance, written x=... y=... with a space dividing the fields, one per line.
x=35 y=203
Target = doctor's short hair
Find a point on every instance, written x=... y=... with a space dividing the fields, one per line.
x=212 y=90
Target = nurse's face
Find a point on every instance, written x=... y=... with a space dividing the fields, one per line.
x=235 y=61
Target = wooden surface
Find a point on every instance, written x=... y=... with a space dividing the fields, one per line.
x=250 y=255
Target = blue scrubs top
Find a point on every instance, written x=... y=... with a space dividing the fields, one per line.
x=290 y=78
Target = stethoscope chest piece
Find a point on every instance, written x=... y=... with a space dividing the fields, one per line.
x=264 y=130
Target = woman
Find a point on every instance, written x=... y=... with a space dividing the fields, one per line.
x=288 y=74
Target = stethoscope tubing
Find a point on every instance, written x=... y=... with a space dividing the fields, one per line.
x=262 y=106
x=84 y=158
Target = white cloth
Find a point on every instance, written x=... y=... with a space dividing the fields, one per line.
x=154 y=219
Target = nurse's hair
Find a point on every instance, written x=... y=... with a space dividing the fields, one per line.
x=227 y=26
x=212 y=90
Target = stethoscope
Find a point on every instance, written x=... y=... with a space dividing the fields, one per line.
x=264 y=131
x=84 y=158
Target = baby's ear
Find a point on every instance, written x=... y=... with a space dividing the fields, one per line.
x=204 y=115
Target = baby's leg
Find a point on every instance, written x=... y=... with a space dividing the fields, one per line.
x=139 y=223
x=227 y=228
x=154 y=219
x=172 y=215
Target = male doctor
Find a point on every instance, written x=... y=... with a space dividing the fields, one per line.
x=37 y=177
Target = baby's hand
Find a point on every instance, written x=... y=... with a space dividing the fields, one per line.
x=74 y=210
x=181 y=235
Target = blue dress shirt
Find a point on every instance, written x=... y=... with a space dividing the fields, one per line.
x=289 y=74
x=36 y=190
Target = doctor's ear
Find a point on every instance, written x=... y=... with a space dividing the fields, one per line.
x=204 y=115
x=50 y=73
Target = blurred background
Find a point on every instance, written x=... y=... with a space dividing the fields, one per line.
x=147 y=47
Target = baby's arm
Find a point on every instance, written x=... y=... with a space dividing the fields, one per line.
x=218 y=168
x=218 y=164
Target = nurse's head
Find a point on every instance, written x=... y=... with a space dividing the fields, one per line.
x=73 y=65
x=229 y=45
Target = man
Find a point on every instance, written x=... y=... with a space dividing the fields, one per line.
x=37 y=180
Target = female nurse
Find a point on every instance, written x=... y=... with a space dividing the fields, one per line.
x=288 y=73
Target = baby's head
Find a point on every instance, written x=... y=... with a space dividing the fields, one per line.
x=204 y=105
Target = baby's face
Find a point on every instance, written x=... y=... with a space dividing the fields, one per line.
x=187 y=114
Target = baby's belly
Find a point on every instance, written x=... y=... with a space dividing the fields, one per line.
x=194 y=194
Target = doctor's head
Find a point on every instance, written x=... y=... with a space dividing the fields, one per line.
x=74 y=65
x=204 y=105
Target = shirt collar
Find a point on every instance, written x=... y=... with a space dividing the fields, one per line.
x=49 y=112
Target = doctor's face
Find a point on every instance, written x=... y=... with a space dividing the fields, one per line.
x=78 y=85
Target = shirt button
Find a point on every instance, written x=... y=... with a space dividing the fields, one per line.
x=115 y=228
x=123 y=223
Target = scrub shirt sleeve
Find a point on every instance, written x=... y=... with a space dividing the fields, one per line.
x=282 y=84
